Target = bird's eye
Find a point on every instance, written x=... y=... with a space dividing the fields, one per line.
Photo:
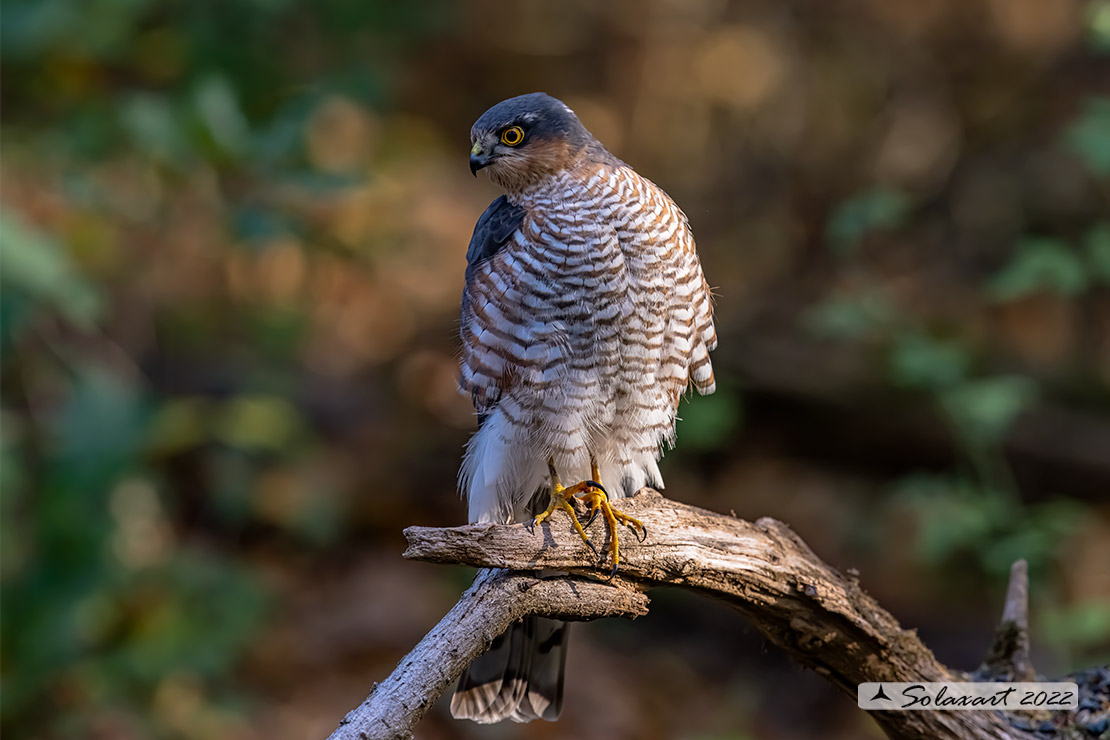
x=512 y=136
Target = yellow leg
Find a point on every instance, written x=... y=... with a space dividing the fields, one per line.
x=594 y=495
x=560 y=499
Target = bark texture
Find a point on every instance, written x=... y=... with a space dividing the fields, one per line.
x=821 y=617
x=495 y=600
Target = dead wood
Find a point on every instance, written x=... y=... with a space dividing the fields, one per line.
x=821 y=617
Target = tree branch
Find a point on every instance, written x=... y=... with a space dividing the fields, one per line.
x=823 y=619
x=1008 y=657
x=496 y=599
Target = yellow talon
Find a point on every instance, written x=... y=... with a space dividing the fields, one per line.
x=598 y=500
x=560 y=499
x=592 y=493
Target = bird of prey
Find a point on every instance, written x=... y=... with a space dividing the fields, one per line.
x=585 y=317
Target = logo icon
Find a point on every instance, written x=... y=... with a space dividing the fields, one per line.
x=880 y=694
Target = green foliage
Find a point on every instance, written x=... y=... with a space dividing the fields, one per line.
x=1089 y=136
x=14 y=543
x=872 y=210
x=105 y=599
x=97 y=594
x=1098 y=25
x=36 y=272
x=257 y=423
x=961 y=522
x=851 y=317
x=972 y=515
x=1040 y=265
x=250 y=423
x=984 y=409
x=100 y=431
x=1080 y=628
x=978 y=514
x=921 y=362
x=1097 y=247
x=187 y=81
x=705 y=422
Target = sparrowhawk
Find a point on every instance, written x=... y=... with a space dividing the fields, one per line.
x=585 y=317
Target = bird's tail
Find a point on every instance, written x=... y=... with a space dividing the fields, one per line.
x=519 y=678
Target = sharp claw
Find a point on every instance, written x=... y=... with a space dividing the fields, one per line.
x=587 y=491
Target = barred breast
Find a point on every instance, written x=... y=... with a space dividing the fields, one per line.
x=580 y=336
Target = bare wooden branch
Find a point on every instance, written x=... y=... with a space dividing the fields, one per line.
x=1008 y=657
x=762 y=569
x=496 y=599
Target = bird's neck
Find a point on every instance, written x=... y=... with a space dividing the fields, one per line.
x=580 y=169
x=541 y=190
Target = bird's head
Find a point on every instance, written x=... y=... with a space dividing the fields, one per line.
x=523 y=140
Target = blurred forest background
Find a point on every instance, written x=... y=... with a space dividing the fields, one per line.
x=233 y=241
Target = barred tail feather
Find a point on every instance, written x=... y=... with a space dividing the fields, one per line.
x=519 y=678
x=543 y=693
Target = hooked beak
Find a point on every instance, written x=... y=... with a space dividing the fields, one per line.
x=478 y=159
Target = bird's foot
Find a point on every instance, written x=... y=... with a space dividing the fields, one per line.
x=561 y=498
x=598 y=501
x=595 y=497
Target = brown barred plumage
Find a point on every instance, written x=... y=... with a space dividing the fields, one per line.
x=585 y=317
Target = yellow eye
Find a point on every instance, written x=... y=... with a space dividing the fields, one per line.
x=512 y=136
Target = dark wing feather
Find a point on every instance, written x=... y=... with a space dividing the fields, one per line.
x=493 y=230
